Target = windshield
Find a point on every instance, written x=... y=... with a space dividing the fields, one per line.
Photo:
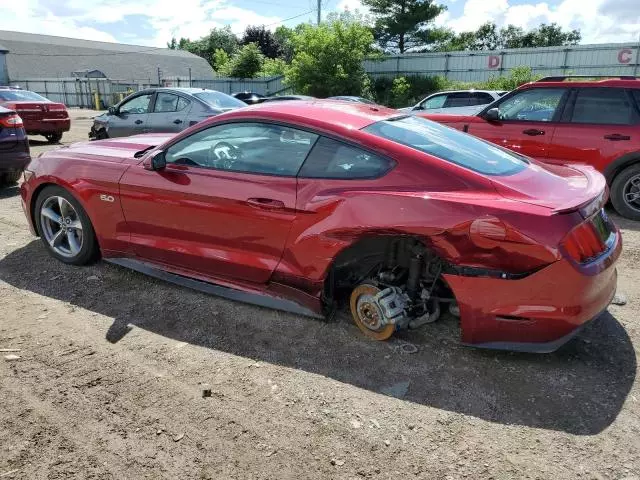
x=449 y=144
x=219 y=100
x=21 y=96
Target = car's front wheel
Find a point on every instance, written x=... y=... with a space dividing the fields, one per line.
x=64 y=227
x=625 y=192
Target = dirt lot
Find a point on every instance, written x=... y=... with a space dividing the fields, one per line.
x=111 y=367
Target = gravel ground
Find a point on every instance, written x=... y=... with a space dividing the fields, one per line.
x=112 y=364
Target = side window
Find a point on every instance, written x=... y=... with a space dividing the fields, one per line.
x=460 y=99
x=436 y=101
x=332 y=159
x=480 y=98
x=259 y=148
x=166 y=102
x=609 y=106
x=182 y=104
x=139 y=104
x=534 y=105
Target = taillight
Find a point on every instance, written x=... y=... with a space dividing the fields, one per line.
x=57 y=108
x=584 y=243
x=11 y=121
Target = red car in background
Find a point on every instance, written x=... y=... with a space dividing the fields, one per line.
x=582 y=121
x=308 y=205
x=40 y=115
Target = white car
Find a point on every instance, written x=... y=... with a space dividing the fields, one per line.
x=463 y=102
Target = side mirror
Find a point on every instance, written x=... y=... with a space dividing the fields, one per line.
x=113 y=111
x=155 y=162
x=492 y=115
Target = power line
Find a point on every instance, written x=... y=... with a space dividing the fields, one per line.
x=290 y=18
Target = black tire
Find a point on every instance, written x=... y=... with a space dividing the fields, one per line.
x=620 y=187
x=8 y=179
x=89 y=250
x=102 y=134
x=53 y=137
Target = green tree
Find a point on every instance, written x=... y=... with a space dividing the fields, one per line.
x=247 y=63
x=273 y=67
x=328 y=59
x=205 y=47
x=221 y=61
x=488 y=37
x=402 y=25
x=265 y=39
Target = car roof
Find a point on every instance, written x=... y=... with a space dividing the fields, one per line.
x=178 y=89
x=327 y=115
x=469 y=90
x=576 y=82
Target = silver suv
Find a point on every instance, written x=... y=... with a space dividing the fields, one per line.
x=463 y=102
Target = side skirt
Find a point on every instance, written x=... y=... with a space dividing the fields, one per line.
x=261 y=300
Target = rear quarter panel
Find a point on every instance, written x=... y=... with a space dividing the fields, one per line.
x=430 y=199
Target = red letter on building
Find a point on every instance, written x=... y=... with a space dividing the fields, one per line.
x=494 y=61
x=624 y=55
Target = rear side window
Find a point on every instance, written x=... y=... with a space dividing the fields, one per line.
x=449 y=144
x=332 y=159
x=458 y=100
x=480 y=98
x=607 y=106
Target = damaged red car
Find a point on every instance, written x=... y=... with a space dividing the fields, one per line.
x=310 y=205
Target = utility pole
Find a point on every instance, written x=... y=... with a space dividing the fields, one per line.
x=319 y=10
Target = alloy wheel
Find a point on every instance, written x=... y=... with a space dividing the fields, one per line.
x=631 y=193
x=61 y=226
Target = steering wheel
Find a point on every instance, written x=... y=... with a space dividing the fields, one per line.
x=222 y=155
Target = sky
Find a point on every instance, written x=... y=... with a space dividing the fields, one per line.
x=154 y=22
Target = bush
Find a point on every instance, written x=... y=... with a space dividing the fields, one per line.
x=386 y=90
x=328 y=58
x=247 y=63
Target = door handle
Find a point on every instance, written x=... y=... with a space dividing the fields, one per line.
x=616 y=137
x=266 y=203
x=177 y=121
x=138 y=122
x=533 y=132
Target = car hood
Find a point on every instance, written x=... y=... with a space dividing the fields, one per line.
x=557 y=187
x=116 y=149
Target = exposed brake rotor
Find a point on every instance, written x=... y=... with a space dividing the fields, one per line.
x=367 y=314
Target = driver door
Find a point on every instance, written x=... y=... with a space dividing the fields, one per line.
x=527 y=121
x=223 y=205
x=131 y=118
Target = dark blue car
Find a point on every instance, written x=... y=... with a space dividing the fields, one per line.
x=14 y=147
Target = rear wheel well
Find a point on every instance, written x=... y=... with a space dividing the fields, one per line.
x=619 y=164
x=387 y=259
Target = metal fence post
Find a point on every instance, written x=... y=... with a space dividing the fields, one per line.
x=446 y=65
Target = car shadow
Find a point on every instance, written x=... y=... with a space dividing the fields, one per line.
x=623 y=223
x=580 y=389
x=10 y=191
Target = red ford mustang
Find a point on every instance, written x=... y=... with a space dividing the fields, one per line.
x=308 y=205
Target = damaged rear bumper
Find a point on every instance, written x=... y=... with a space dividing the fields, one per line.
x=537 y=313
